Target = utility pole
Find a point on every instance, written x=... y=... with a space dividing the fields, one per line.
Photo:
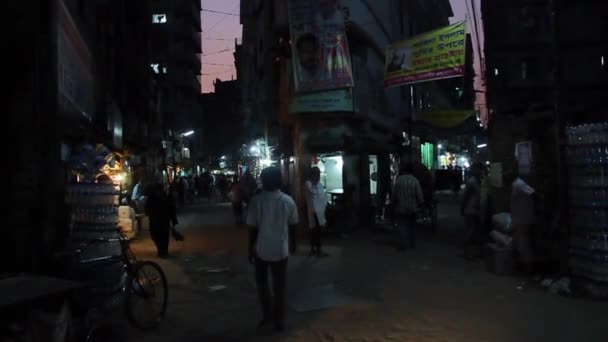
x=562 y=174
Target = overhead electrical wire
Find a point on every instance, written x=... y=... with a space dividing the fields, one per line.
x=224 y=16
x=219 y=64
x=216 y=52
x=220 y=72
x=224 y=39
x=220 y=12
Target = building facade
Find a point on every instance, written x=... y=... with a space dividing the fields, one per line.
x=223 y=128
x=355 y=145
x=175 y=48
x=83 y=77
x=545 y=69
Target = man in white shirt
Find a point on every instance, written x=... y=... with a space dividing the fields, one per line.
x=137 y=197
x=271 y=216
x=523 y=218
x=316 y=203
x=407 y=199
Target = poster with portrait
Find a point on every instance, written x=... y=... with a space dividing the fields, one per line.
x=320 y=56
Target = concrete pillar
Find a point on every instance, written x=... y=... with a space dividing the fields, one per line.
x=384 y=177
x=352 y=187
x=36 y=176
x=365 y=204
x=302 y=161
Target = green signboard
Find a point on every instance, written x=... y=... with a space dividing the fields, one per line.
x=340 y=100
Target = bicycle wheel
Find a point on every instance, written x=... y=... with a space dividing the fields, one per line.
x=147 y=295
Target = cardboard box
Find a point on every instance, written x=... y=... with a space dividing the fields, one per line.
x=126 y=225
x=126 y=212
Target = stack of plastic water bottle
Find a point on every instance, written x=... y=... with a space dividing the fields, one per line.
x=587 y=155
x=94 y=216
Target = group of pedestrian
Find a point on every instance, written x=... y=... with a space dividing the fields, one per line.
x=182 y=188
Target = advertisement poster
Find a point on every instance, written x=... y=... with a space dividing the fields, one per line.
x=320 y=56
x=430 y=56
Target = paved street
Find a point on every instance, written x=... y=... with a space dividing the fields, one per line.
x=366 y=291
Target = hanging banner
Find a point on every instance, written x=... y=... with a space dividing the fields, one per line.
x=321 y=60
x=446 y=118
x=430 y=56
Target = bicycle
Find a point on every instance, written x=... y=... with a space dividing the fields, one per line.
x=138 y=282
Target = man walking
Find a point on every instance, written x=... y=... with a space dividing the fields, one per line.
x=407 y=198
x=470 y=209
x=271 y=216
x=316 y=203
x=163 y=218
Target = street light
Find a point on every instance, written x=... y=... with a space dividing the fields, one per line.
x=187 y=134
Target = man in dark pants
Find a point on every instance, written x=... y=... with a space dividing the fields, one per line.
x=407 y=199
x=271 y=216
x=161 y=211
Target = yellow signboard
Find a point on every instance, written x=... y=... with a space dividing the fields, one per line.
x=430 y=56
x=446 y=118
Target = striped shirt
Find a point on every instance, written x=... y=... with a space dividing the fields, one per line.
x=407 y=195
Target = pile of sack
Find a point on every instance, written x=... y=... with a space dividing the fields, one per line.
x=502 y=230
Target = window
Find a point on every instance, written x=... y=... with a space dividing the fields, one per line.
x=531 y=69
x=159 y=18
x=159 y=68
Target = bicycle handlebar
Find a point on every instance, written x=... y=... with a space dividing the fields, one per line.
x=90 y=243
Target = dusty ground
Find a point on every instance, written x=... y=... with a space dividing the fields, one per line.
x=428 y=294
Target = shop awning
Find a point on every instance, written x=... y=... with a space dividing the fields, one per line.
x=446 y=118
x=469 y=127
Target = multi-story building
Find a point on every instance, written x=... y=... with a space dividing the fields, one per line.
x=175 y=59
x=358 y=143
x=222 y=130
x=545 y=64
x=84 y=78
x=545 y=68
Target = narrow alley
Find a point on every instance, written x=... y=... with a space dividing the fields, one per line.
x=365 y=291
